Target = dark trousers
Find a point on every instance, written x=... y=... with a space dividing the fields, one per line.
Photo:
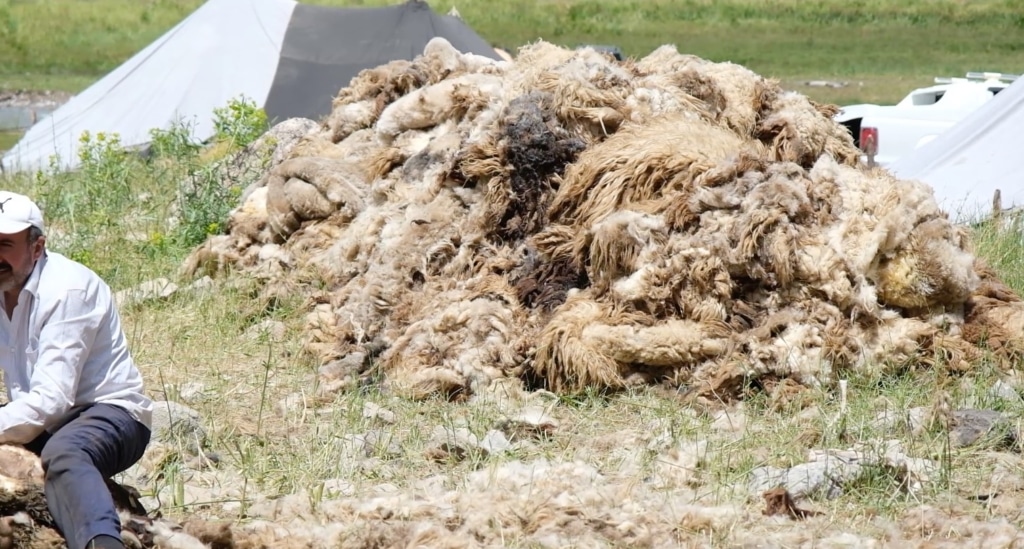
x=99 y=441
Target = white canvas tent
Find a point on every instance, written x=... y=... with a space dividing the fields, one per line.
x=289 y=58
x=223 y=50
x=967 y=163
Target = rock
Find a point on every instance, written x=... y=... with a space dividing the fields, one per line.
x=201 y=284
x=158 y=288
x=291 y=404
x=348 y=366
x=828 y=471
x=825 y=477
x=451 y=443
x=1004 y=391
x=373 y=411
x=970 y=426
x=274 y=330
x=192 y=392
x=530 y=422
x=374 y=443
x=911 y=420
x=175 y=423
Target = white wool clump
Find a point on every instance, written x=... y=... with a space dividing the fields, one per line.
x=430 y=106
x=165 y=536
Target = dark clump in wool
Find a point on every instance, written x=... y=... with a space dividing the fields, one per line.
x=545 y=284
x=536 y=147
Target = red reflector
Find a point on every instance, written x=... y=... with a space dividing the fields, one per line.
x=869 y=140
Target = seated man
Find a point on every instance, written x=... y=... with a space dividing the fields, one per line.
x=76 y=397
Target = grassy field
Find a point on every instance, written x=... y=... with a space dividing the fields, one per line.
x=882 y=48
x=8 y=139
x=238 y=359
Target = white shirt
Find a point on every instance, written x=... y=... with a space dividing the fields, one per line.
x=63 y=347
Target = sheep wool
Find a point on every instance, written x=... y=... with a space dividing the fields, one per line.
x=578 y=222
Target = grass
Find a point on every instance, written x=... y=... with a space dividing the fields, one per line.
x=882 y=48
x=8 y=139
x=239 y=361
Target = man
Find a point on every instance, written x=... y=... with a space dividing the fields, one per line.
x=76 y=397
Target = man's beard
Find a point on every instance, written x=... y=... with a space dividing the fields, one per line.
x=11 y=278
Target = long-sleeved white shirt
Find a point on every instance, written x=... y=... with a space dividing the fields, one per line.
x=63 y=347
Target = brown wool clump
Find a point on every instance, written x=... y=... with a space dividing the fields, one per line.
x=578 y=222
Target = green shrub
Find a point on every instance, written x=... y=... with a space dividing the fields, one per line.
x=240 y=122
x=176 y=142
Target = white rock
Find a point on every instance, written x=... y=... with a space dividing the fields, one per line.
x=335 y=487
x=274 y=330
x=529 y=422
x=730 y=421
x=372 y=410
x=204 y=283
x=1004 y=391
x=293 y=404
x=176 y=423
x=158 y=288
x=192 y=391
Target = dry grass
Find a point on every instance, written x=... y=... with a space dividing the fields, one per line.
x=220 y=341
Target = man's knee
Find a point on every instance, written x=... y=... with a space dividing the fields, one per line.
x=59 y=457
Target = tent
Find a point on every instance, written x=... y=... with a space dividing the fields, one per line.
x=980 y=154
x=289 y=58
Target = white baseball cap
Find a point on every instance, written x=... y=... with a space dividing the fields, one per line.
x=17 y=213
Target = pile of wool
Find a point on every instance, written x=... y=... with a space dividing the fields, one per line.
x=576 y=221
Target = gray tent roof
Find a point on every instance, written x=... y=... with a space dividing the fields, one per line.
x=325 y=47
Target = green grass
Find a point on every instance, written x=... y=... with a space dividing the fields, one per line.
x=882 y=48
x=8 y=139
x=1001 y=246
